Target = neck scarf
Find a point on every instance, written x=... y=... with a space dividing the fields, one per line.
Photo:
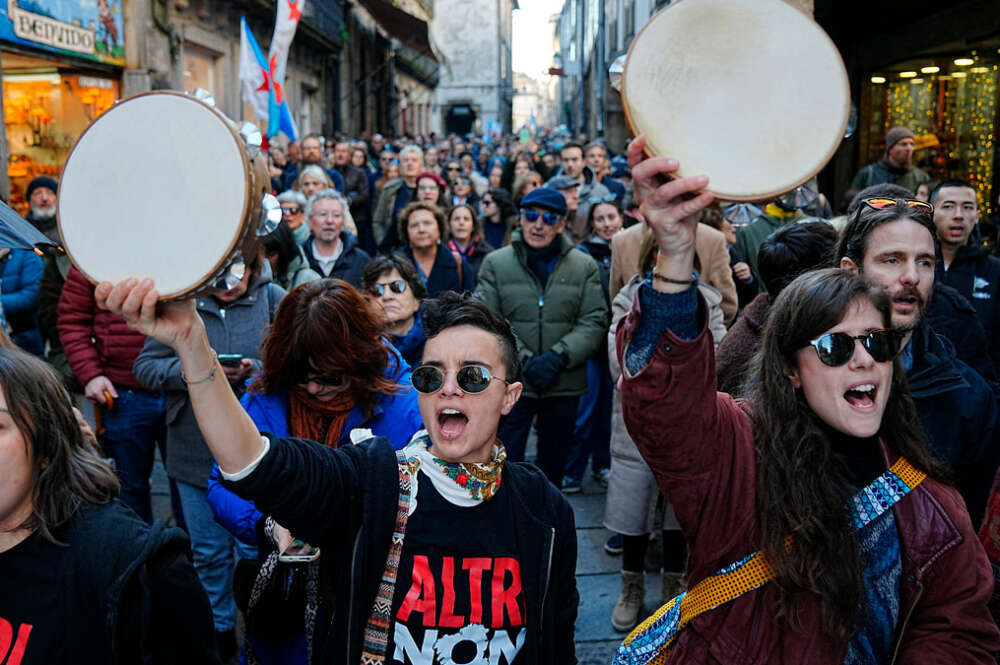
x=318 y=420
x=467 y=252
x=464 y=484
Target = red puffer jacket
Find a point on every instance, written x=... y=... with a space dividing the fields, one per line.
x=699 y=445
x=95 y=341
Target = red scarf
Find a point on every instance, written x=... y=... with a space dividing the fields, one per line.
x=316 y=419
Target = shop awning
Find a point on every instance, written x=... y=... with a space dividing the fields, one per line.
x=406 y=28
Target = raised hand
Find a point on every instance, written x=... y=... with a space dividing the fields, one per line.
x=173 y=324
x=670 y=206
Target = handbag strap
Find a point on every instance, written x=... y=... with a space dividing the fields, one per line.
x=376 y=639
x=650 y=642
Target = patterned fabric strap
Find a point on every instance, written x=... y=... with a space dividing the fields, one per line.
x=649 y=643
x=376 y=639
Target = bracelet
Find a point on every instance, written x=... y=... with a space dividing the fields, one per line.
x=670 y=280
x=211 y=373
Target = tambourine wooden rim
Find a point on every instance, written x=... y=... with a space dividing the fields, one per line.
x=737 y=196
x=241 y=230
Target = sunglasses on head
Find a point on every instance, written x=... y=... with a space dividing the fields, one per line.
x=607 y=198
x=882 y=203
x=472 y=379
x=549 y=218
x=836 y=349
x=331 y=380
x=396 y=287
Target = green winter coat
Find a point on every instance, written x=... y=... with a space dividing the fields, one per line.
x=570 y=316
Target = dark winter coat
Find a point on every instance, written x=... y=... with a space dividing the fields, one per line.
x=362 y=482
x=976 y=275
x=446 y=273
x=349 y=265
x=22 y=271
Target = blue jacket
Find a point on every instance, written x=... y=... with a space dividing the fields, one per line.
x=22 y=270
x=396 y=418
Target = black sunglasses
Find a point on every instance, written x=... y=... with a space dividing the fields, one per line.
x=331 y=380
x=294 y=210
x=836 y=349
x=549 y=218
x=396 y=287
x=471 y=379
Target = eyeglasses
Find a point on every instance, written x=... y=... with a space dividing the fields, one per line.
x=331 y=380
x=836 y=349
x=472 y=379
x=607 y=198
x=396 y=287
x=548 y=217
x=294 y=210
x=454 y=168
x=487 y=202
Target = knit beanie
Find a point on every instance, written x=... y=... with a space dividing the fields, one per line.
x=895 y=135
x=43 y=181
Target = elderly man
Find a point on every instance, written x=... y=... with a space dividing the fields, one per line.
x=553 y=298
x=395 y=196
x=42 y=206
x=896 y=167
x=332 y=251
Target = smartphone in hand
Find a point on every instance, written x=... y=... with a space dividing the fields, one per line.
x=230 y=359
x=299 y=552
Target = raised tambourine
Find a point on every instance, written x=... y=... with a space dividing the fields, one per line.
x=163 y=185
x=752 y=93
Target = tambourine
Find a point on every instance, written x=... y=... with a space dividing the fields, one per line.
x=751 y=93
x=163 y=185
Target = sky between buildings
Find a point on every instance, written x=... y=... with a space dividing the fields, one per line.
x=532 y=38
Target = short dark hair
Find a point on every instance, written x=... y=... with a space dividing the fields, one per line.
x=792 y=250
x=451 y=309
x=383 y=263
x=954 y=182
x=853 y=243
x=596 y=143
x=281 y=242
x=573 y=144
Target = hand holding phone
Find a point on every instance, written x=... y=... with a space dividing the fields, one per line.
x=230 y=359
x=299 y=552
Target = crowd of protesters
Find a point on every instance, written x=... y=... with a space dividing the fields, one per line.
x=739 y=385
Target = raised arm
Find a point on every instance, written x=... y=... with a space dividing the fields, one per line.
x=230 y=434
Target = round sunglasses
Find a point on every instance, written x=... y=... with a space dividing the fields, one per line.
x=397 y=286
x=550 y=218
x=836 y=349
x=472 y=379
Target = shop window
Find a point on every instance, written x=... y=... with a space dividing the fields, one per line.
x=951 y=109
x=46 y=110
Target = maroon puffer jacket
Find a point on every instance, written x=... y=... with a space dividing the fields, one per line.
x=699 y=445
x=96 y=342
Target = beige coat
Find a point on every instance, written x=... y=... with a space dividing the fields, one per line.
x=631 y=500
x=709 y=245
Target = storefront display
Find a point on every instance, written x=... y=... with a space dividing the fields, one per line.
x=46 y=110
x=951 y=106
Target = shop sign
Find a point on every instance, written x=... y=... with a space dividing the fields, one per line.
x=82 y=28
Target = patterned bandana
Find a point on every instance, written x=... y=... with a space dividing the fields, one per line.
x=462 y=484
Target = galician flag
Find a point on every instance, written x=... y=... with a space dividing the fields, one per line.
x=286 y=21
x=256 y=76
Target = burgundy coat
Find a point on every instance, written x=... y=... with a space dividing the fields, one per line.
x=96 y=342
x=706 y=467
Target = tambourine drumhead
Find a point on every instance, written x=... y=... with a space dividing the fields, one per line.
x=158 y=186
x=751 y=93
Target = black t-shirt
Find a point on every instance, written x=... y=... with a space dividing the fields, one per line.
x=459 y=597
x=33 y=615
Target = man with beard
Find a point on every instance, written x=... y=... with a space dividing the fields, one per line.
x=312 y=153
x=42 y=201
x=894 y=248
x=896 y=167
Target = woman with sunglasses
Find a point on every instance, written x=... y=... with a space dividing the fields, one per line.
x=499 y=217
x=466 y=235
x=293 y=213
x=440 y=546
x=327 y=371
x=856 y=564
x=393 y=283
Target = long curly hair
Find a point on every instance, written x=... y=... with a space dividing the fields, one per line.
x=800 y=493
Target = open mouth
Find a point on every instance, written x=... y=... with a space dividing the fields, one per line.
x=906 y=302
x=451 y=423
x=862 y=396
